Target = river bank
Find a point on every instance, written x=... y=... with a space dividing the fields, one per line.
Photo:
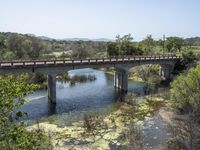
x=110 y=130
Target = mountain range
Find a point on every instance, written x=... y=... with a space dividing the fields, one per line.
x=71 y=39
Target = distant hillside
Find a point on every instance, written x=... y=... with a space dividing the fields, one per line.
x=86 y=39
x=30 y=46
x=193 y=41
x=45 y=38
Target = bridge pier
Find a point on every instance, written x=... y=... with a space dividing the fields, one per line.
x=166 y=72
x=52 y=89
x=121 y=80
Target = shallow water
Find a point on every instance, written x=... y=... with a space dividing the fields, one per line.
x=82 y=97
x=97 y=96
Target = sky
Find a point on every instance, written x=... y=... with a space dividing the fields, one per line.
x=101 y=18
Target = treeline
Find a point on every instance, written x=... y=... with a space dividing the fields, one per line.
x=20 y=46
x=126 y=46
x=79 y=49
x=195 y=41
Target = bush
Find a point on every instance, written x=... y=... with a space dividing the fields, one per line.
x=13 y=135
x=189 y=56
x=185 y=93
x=92 y=122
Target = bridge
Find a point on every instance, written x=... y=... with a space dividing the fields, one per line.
x=121 y=66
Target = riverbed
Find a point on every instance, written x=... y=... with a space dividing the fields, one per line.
x=99 y=97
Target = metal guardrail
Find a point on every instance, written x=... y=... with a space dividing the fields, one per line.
x=25 y=63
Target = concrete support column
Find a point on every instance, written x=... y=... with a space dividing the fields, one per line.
x=166 y=72
x=115 y=79
x=121 y=80
x=125 y=81
x=52 y=89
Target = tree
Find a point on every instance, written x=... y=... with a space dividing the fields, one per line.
x=37 y=48
x=13 y=134
x=148 y=44
x=189 y=56
x=14 y=44
x=122 y=46
x=112 y=49
x=124 y=43
x=185 y=92
x=2 y=47
x=174 y=44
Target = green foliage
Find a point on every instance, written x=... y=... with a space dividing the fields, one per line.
x=193 y=41
x=123 y=46
x=13 y=135
x=174 y=44
x=18 y=46
x=189 y=56
x=148 y=44
x=149 y=73
x=112 y=49
x=39 y=78
x=185 y=92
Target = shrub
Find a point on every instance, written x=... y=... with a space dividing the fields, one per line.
x=13 y=134
x=185 y=93
x=92 y=122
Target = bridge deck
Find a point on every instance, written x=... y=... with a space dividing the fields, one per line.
x=37 y=63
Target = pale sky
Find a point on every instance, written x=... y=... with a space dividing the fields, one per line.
x=101 y=18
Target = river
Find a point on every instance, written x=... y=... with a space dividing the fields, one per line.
x=97 y=96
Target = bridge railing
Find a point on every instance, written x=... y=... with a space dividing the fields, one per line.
x=74 y=58
x=87 y=60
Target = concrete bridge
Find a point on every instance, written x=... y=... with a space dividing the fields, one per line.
x=121 y=66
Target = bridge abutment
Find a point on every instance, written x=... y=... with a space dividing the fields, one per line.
x=121 y=80
x=166 y=72
x=52 y=89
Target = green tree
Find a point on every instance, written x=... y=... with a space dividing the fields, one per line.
x=148 y=44
x=174 y=44
x=2 y=47
x=112 y=49
x=185 y=92
x=37 y=48
x=13 y=135
x=123 y=46
x=124 y=43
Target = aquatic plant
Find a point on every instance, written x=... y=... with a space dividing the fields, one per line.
x=93 y=122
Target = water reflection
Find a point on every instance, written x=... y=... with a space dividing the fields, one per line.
x=83 y=97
